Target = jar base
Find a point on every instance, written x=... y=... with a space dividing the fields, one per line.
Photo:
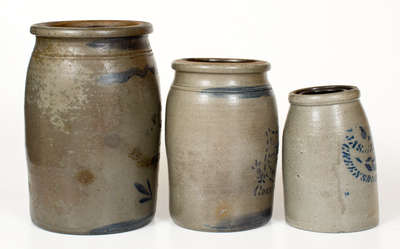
x=310 y=228
x=242 y=224
x=108 y=229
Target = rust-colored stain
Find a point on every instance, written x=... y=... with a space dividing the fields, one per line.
x=143 y=161
x=223 y=211
x=85 y=177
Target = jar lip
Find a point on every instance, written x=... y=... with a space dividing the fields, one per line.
x=220 y=65
x=91 y=28
x=324 y=95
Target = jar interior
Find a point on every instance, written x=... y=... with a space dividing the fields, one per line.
x=92 y=24
x=323 y=90
x=220 y=60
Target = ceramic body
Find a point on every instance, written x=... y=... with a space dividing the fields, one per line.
x=222 y=144
x=328 y=162
x=92 y=115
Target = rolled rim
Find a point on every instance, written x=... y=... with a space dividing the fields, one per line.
x=324 y=95
x=91 y=28
x=220 y=65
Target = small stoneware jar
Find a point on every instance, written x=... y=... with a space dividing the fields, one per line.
x=92 y=117
x=329 y=170
x=222 y=144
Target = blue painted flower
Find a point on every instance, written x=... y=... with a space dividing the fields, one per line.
x=142 y=189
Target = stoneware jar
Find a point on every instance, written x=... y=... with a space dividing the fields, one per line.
x=329 y=168
x=222 y=144
x=92 y=115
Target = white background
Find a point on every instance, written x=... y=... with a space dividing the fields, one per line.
x=308 y=42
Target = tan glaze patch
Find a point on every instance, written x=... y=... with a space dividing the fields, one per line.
x=61 y=102
x=143 y=161
x=85 y=177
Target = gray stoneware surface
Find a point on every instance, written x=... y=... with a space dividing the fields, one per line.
x=329 y=170
x=222 y=144
x=92 y=115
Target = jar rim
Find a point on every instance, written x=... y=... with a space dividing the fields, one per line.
x=91 y=28
x=324 y=95
x=220 y=65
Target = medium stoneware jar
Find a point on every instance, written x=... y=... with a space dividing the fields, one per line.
x=222 y=144
x=329 y=168
x=92 y=116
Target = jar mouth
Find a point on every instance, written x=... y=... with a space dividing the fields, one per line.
x=220 y=65
x=324 y=95
x=323 y=90
x=220 y=60
x=91 y=28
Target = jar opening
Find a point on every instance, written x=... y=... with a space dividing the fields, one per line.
x=324 y=95
x=220 y=65
x=323 y=90
x=91 y=24
x=220 y=60
x=91 y=28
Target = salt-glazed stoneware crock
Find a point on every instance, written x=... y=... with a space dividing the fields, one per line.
x=92 y=115
x=222 y=144
x=329 y=170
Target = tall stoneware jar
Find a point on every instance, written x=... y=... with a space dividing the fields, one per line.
x=329 y=168
x=92 y=116
x=222 y=144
